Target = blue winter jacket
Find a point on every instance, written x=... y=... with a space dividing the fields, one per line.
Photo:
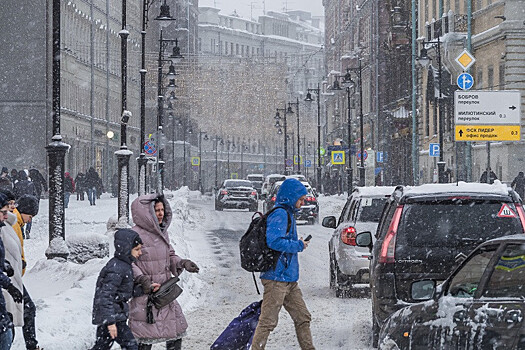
x=287 y=268
x=115 y=282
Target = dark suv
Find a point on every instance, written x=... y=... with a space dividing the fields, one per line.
x=426 y=231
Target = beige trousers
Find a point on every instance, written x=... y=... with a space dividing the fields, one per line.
x=276 y=295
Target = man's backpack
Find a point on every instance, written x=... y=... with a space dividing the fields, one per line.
x=256 y=256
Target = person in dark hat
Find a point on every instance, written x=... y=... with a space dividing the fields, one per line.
x=113 y=291
x=27 y=206
x=5 y=181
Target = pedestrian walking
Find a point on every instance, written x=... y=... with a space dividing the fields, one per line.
x=14 y=176
x=280 y=284
x=518 y=184
x=39 y=181
x=485 y=178
x=27 y=206
x=152 y=217
x=69 y=187
x=23 y=185
x=114 y=290
x=91 y=182
x=6 y=325
x=5 y=181
x=80 y=186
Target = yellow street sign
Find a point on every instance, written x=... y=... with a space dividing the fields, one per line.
x=298 y=159
x=196 y=161
x=338 y=157
x=465 y=59
x=488 y=133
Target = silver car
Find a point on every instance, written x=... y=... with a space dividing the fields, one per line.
x=349 y=264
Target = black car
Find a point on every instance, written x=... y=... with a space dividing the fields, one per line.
x=425 y=231
x=481 y=305
x=256 y=180
x=238 y=194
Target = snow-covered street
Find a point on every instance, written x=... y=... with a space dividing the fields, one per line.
x=63 y=291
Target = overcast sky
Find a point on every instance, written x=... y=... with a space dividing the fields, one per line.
x=243 y=7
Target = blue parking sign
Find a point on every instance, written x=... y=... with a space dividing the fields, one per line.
x=307 y=163
x=433 y=149
x=379 y=158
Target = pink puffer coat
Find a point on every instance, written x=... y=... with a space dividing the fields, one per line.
x=159 y=262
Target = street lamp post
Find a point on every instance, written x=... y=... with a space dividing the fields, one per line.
x=200 y=157
x=216 y=160
x=242 y=161
x=189 y=131
x=424 y=60
x=309 y=98
x=123 y=154
x=296 y=104
x=56 y=151
x=279 y=131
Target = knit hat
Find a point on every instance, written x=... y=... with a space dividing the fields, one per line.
x=28 y=204
x=10 y=196
x=3 y=200
x=136 y=242
x=5 y=170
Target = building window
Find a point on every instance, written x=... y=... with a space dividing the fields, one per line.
x=479 y=79
x=490 y=78
x=501 y=83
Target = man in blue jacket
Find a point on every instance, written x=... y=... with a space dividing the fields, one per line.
x=280 y=284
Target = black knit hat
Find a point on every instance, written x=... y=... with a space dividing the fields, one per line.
x=10 y=196
x=136 y=241
x=3 y=200
x=28 y=204
x=5 y=170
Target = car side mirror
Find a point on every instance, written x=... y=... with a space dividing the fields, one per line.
x=364 y=239
x=329 y=222
x=423 y=290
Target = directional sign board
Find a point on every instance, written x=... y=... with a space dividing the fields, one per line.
x=488 y=132
x=487 y=115
x=465 y=81
x=338 y=157
x=487 y=107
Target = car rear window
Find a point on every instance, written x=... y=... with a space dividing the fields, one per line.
x=450 y=223
x=239 y=183
x=370 y=209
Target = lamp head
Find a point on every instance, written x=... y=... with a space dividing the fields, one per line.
x=171 y=72
x=336 y=85
x=206 y=138
x=289 y=110
x=125 y=117
x=176 y=52
x=280 y=131
x=423 y=59
x=308 y=97
x=277 y=115
x=164 y=18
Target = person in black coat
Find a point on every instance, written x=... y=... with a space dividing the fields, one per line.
x=488 y=179
x=113 y=291
x=518 y=184
x=39 y=181
x=79 y=185
x=91 y=182
x=24 y=186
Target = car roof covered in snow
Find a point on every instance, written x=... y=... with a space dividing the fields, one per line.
x=273 y=176
x=371 y=191
x=496 y=188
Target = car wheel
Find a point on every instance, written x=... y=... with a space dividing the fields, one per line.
x=375 y=331
x=218 y=207
x=341 y=282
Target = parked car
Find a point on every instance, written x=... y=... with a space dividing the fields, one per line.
x=238 y=194
x=309 y=212
x=481 y=305
x=268 y=183
x=425 y=231
x=349 y=264
x=257 y=181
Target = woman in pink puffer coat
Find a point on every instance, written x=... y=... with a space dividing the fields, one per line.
x=157 y=264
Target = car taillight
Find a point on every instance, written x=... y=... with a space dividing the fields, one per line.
x=348 y=235
x=273 y=199
x=310 y=199
x=521 y=213
x=389 y=244
x=254 y=193
x=224 y=192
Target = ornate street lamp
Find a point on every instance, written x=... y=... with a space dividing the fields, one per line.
x=309 y=98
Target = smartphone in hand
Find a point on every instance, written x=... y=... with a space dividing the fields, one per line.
x=308 y=238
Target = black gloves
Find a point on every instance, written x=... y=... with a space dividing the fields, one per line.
x=190 y=266
x=15 y=293
x=8 y=269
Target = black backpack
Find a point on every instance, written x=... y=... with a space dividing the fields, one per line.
x=256 y=256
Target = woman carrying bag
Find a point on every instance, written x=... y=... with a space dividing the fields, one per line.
x=157 y=265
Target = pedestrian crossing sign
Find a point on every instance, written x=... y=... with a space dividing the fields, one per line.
x=195 y=161
x=297 y=159
x=338 y=157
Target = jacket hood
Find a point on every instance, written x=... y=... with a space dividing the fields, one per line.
x=11 y=218
x=125 y=240
x=289 y=192
x=143 y=213
x=22 y=175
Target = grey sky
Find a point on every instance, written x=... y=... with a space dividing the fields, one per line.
x=244 y=7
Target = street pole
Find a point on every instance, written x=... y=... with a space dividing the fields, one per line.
x=56 y=151
x=228 y=166
x=350 y=174
x=216 y=161
x=242 y=161
x=200 y=161
x=441 y=163
x=362 y=158
x=141 y=160
x=298 y=137
x=285 y=141
x=184 y=151
x=415 y=135
x=123 y=154
x=160 y=111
